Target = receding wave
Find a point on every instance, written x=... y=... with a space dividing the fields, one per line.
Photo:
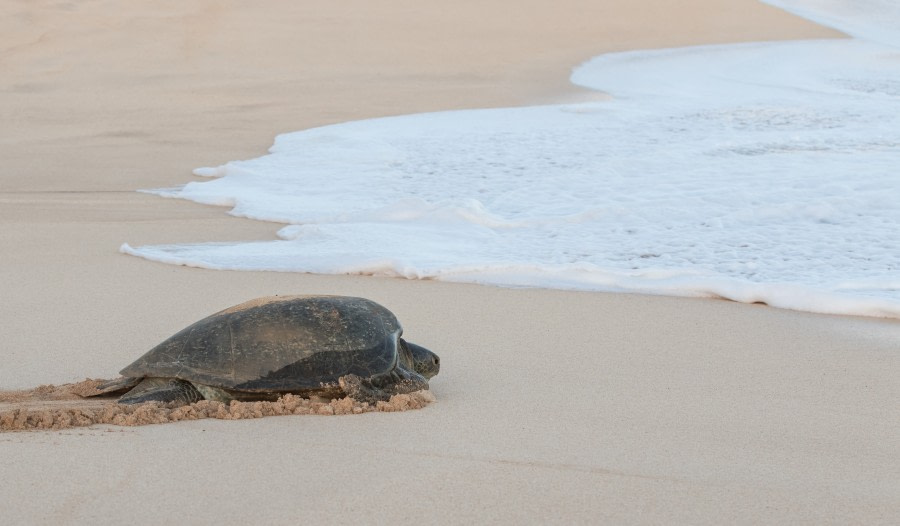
x=762 y=172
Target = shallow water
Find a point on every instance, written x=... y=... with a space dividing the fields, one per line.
x=756 y=172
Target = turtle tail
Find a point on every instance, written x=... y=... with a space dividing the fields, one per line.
x=163 y=390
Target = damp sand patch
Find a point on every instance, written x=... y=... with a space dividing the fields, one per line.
x=64 y=406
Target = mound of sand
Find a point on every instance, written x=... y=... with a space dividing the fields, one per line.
x=61 y=407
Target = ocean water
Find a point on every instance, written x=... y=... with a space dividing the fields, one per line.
x=765 y=172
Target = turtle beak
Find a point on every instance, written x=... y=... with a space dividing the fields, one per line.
x=425 y=362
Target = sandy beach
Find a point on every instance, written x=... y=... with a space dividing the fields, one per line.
x=551 y=406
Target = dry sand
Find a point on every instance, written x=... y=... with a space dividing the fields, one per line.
x=551 y=406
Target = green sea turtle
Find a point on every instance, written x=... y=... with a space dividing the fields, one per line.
x=327 y=346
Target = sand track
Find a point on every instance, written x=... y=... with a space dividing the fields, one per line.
x=63 y=406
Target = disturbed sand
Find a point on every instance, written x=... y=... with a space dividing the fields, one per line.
x=65 y=406
x=551 y=406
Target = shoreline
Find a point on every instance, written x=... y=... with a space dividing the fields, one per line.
x=551 y=405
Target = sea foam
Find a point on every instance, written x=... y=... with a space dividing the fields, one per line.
x=756 y=172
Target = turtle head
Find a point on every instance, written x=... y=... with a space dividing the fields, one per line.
x=424 y=361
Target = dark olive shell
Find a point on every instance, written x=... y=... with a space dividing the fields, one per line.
x=281 y=343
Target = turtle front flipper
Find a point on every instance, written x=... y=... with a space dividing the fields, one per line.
x=163 y=390
x=399 y=381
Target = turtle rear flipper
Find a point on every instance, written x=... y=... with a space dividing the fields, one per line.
x=112 y=387
x=163 y=390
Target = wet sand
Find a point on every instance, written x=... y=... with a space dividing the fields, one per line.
x=551 y=406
